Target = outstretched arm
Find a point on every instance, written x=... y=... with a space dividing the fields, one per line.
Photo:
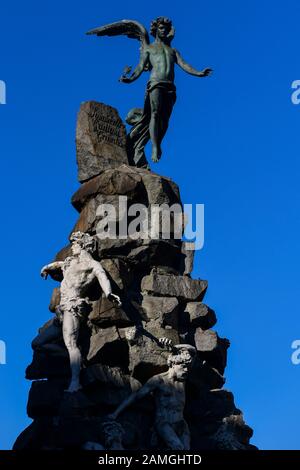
x=141 y=393
x=138 y=70
x=189 y=69
x=105 y=283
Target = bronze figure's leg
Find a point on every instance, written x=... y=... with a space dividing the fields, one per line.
x=139 y=135
x=138 y=139
x=155 y=123
x=168 y=102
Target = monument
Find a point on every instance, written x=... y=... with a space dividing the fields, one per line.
x=129 y=359
x=160 y=59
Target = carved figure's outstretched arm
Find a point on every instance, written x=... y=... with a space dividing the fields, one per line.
x=138 y=70
x=189 y=69
x=105 y=282
x=141 y=393
x=52 y=269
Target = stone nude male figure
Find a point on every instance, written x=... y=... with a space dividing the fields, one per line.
x=168 y=390
x=78 y=271
x=159 y=58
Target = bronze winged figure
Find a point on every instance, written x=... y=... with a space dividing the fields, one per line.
x=151 y=122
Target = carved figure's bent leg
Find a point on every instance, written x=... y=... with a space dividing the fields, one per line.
x=44 y=341
x=90 y=445
x=167 y=433
x=186 y=436
x=71 y=325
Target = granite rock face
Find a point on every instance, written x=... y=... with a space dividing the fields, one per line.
x=100 y=139
x=120 y=345
x=183 y=287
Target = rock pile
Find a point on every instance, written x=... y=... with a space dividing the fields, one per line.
x=120 y=345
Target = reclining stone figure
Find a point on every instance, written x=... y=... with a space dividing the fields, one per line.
x=78 y=271
x=168 y=390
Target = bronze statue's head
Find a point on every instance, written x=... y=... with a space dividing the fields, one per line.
x=162 y=27
x=82 y=241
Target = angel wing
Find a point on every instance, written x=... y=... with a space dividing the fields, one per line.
x=130 y=28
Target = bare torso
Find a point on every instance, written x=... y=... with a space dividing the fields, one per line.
x=169 y=399
x=77 y=278
x=162 y=59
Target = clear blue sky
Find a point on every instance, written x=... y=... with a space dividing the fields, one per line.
x=233 y=145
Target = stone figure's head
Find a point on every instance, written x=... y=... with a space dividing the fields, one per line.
x=82 y=241
x=162 y=27
x=181 y=359
x=113 y=435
